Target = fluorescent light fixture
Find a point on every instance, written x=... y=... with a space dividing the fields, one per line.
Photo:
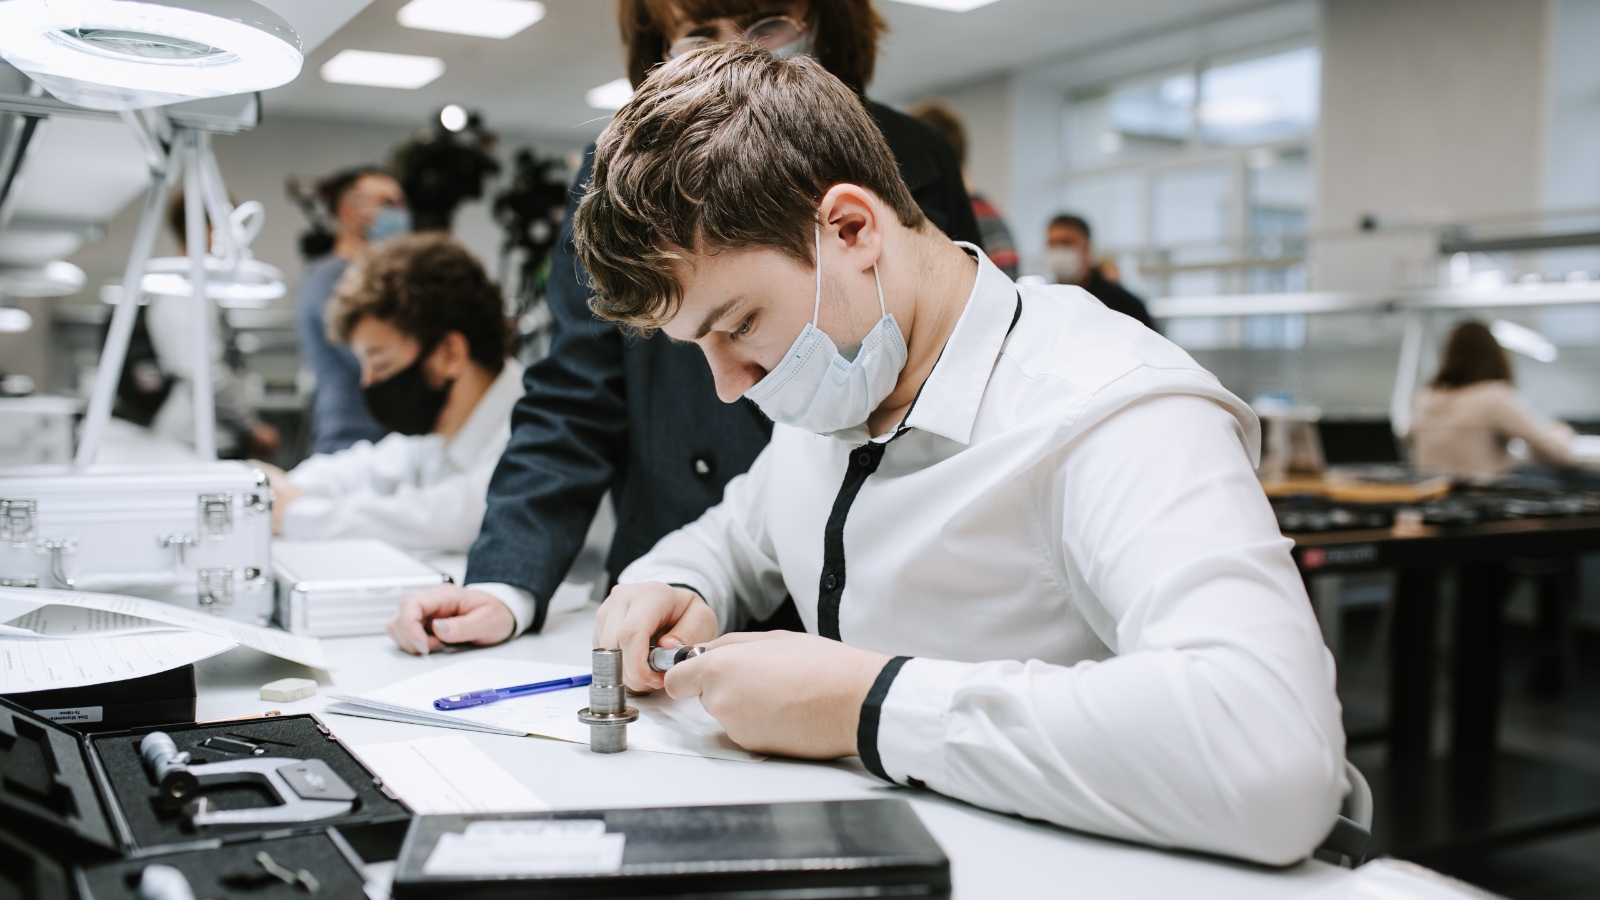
x=373 y=69
x=454 y=117
x=128 y=54
x=477 y=18
x=245 y=284
x=14 y=321
x=53 y=279
x=1523 y=340
x=949 y=5
x=611 y=95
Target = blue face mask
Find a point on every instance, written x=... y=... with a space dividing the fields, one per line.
x=391 y=221
x=816 y=389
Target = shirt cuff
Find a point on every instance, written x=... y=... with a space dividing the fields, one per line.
x=911 y=718
x=871 y=709
x=519 y=601
x=306 y=519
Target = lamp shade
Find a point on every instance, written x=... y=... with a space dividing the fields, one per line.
x=129 y=54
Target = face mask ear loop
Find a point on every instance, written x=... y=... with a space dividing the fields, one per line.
x=882 y=309
x=816 y=310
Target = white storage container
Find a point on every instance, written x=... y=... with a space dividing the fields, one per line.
x=37 y=430
x=337 y=588
x=199 y=535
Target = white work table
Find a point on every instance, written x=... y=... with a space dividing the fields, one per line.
x=991 y=855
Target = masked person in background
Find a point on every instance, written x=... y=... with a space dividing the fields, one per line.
x=369 y=208
x=428 y=328
x=1070 y=255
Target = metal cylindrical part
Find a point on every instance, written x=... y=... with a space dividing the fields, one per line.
x=169 y=767
x=664 y=658
x=608 y=712
x=607 y=696
x=163 y=883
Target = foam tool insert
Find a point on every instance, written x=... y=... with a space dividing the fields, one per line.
x=27 y=873
x=92 y=797
x=305 y=867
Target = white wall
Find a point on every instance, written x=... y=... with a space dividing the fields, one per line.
x=1432 y=111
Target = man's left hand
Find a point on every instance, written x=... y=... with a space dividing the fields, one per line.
x=780 y=692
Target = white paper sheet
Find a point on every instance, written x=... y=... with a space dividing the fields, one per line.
x=447 y=774
x=79 y=622
x=42 y=663
x=665 y=725
x=539 y=847
x=293 y=647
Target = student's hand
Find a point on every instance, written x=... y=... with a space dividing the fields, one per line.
x=263 y=439
x=284 y=492
x=635 y=616
x=450 y=614
x=781 y=692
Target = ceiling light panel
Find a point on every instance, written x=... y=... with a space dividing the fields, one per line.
x=611 y=95
x=390 y=70
x=477 y=18
x=949 y=5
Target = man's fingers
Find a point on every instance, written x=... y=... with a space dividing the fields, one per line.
x=745 y=637
x=481 y=625
x=633 y=638
x=686 y=679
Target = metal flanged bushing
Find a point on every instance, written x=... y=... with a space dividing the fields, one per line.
x=608 y=712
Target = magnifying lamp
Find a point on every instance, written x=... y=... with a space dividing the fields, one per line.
x=130 y=54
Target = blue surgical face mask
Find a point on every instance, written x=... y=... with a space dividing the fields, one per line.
x=391 y=221
x=817 y=389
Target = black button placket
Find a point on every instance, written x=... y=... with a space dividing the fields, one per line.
x=864 y=461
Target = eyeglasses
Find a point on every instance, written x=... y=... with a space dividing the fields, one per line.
x=773 y=33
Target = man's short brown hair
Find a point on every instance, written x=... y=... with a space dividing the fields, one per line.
x=724 y=148
x=427 y=286
x=844 y=33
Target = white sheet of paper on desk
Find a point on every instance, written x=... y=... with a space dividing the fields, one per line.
x=448 y=774
x=43 y=663
x=293 y=647
x=53 y=620
x=665 y=725
x=533 y=847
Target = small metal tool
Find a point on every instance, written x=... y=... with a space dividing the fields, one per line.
x=664 y=658
x=608 y=712
x=301 y=878
x=233 y=745
x=169 y=767
x=163 y=883
x=305 y=789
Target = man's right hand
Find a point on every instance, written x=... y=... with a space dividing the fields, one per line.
x=636 y=616
x=449 y=614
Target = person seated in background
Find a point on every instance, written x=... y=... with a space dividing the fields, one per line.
x=429 y=329
x=1466 y=418
x=1069 y=253
x=368 y=206
x=169 y=326
x=997 y=240
x=1023 y=532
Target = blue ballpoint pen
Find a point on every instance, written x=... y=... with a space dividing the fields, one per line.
x=495 y=695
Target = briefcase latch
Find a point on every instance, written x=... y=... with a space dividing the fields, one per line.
x=216 y=514
x=214 y=587
x=18 y=520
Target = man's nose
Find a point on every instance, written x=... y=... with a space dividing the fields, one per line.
x=732 y=377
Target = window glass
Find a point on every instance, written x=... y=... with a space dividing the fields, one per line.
x=1144 y=117
x=1267 y=98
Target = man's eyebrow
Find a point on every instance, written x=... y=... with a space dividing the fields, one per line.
x=716 y=315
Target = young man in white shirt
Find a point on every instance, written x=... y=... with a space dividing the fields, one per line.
x=429 y=329
x=1024 y=531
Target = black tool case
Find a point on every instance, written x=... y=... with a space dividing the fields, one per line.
x=90 y=797
x=159 y=699
x=28 y=873
x=236 y=870
x=833 y=849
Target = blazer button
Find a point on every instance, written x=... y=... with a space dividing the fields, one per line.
x=830 y=582
x=863 y=459
x=702 y=466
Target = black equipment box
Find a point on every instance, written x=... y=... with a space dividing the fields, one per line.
x=92 y=797
x=239 y=870
x=28 y=873
x=839 y=849
x=160 y=699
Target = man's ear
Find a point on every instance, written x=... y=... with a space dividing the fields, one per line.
x=450 y=358
x=854 y=216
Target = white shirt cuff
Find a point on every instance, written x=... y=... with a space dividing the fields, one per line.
x=519 y=601
x=912 y=720
x=306 y=519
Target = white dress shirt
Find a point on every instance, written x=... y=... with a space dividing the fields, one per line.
x=420 y=493
x=1067 y=536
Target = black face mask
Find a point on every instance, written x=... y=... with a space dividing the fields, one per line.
x=404 y=401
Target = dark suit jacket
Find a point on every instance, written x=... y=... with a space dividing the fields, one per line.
x=641 y=416
x=1117 y=297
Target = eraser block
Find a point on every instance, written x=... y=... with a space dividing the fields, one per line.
x=288 y=690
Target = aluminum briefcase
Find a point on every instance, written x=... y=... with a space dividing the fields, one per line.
x=338 y=588
x=198 y=535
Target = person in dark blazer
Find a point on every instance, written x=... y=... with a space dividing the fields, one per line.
x=640 y=416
